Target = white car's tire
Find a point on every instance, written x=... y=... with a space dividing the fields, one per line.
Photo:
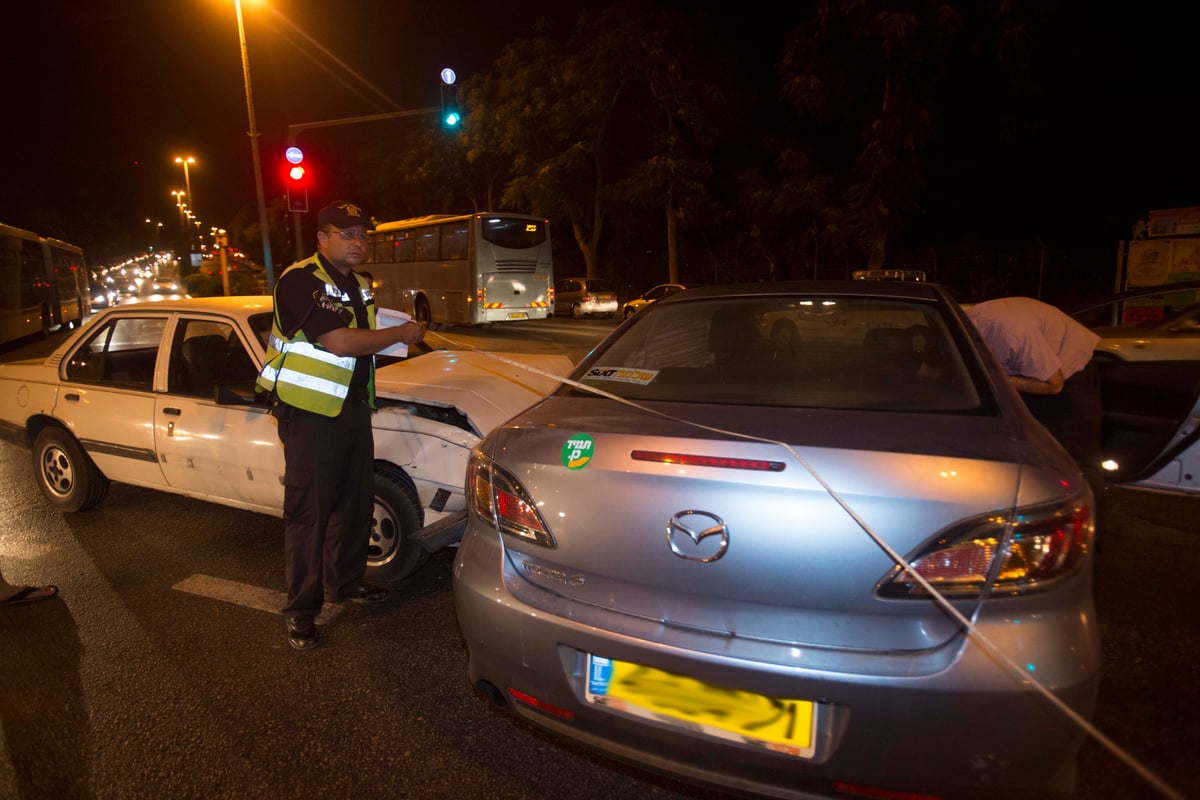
x=67 y=476
x=392 y=555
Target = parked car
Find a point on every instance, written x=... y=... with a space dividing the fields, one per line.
x=830 y=569
x=1172 y=337
x=585 y=297
x=162 y=395
x=656 y=293
x=1150 y=378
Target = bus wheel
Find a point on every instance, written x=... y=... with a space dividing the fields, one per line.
x=65 y=473
x=392 y=555
x=423 y=315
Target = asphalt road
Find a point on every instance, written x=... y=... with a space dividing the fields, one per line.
x=162 y=669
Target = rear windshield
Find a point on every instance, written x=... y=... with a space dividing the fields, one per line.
x=815 y=352
x=514 y=233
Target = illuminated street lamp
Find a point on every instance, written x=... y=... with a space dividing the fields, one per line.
x=258 y=181
x=178 y=195
x=157 y=229
x=187 y=179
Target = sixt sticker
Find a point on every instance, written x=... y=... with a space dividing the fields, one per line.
x=622 y=374
x=578 y=450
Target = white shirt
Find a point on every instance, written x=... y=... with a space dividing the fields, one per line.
x=1032 y=338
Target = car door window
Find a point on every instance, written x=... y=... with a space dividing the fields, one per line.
x=122 y=353
x=205 y=354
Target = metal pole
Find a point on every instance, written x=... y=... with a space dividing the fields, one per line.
x=258 y=181
x=187 y=182
x=300 y=249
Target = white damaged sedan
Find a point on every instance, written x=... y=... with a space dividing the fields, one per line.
x=162 y=395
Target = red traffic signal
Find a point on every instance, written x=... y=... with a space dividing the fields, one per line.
x=297 y=186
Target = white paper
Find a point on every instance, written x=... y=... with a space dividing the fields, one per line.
x=389 y=318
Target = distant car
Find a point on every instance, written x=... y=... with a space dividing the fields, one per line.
x=832 y=566
x=104 y=298
x=1176 y=336
x=656 y=293
x=162 y=395
x=585 y=297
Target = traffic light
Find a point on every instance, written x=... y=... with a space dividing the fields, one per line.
x=297 y=181
x=451 y=117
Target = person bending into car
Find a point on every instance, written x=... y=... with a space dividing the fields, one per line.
x=1047 y=356
x=320 y=373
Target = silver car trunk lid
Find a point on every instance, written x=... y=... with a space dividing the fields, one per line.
x=785 y=561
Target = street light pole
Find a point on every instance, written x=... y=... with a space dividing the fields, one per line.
x=187 y=179
x=258 y=181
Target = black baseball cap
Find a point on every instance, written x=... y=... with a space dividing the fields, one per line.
x=344 y=214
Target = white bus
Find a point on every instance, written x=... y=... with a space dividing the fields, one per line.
x=472 y=269
x=43 y=284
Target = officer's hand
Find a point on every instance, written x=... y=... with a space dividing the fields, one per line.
x=411 y=332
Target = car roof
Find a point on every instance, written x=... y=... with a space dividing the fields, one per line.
x=248 y=304
x=902 y=289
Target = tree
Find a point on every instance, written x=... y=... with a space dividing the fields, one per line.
x=685 y=99
x=866 y=73
x=554 y=118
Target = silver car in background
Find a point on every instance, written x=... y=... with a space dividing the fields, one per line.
x=585 y=297
x=795 y=539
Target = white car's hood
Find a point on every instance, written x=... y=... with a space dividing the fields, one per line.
x=490 y=388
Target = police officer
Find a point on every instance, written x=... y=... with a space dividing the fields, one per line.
x=320 y=372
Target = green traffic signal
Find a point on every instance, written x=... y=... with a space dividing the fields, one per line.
x=450 y=115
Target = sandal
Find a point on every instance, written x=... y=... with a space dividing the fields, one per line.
x=30 y=594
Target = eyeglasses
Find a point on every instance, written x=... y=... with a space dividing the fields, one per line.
x=350 y=236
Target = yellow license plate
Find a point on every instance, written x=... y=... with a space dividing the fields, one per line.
x=782 y=725
x=518 y=315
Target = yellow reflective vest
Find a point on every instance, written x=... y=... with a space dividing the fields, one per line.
x=304 y=374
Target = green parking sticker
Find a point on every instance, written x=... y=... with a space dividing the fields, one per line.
x=577 y=452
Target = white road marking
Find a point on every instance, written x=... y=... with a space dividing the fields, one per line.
x=243 y=594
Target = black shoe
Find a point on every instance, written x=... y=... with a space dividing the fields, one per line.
x=302 y=633
x=365 y=593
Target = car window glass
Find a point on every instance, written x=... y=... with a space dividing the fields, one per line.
x=261 y=325
x=831 y=352
x=122 y=353
x=205 y=354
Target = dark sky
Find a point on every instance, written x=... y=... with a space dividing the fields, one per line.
x=101 y=95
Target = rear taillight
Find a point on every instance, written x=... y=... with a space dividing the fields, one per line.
x=1048 y=544
x=497 y=497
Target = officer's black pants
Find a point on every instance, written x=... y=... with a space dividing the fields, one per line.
x=328 y=503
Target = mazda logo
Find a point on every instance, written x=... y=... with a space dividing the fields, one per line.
x=690 y=536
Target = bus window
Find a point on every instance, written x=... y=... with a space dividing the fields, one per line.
x=405 y=249
x=513 y=232
x=454 y=241
x=427 y=244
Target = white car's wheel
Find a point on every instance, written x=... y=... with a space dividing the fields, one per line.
x=66 y=474
x=392 y=555
x=577 y=311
